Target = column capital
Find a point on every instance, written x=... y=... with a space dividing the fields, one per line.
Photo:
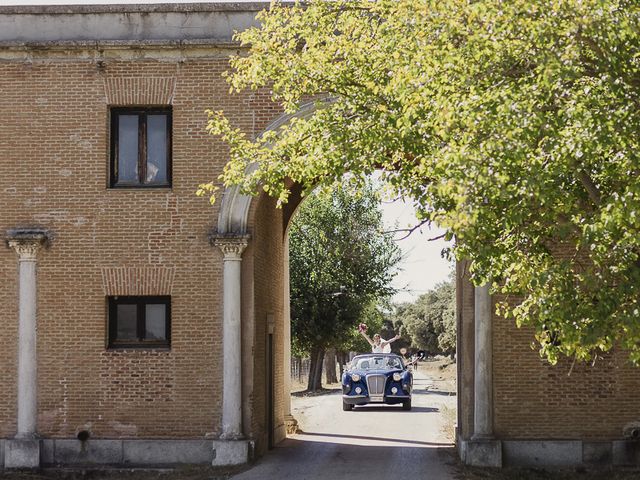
x=231 y=246
x=27 y=242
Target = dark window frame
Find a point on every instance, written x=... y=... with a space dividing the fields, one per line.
x=142 y=113
x=140 y=302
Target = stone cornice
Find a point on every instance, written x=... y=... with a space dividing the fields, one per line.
x=161 y=44
x=137 y=25
x=167 y=31
x=133 y=8
x=100 y=52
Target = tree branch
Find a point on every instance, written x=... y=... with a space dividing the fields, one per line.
x=409 y=231
x=590 y=187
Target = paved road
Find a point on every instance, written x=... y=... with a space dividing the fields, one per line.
x=368 y=443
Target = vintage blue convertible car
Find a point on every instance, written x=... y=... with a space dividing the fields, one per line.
x=377 y=378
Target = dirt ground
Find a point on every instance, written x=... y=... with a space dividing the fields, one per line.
x=442 y=371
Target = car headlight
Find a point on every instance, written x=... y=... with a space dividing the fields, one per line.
x=355 y=377
x=358 y=390
x=394 y=390
x=397 y=377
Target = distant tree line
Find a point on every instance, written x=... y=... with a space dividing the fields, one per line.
x=429 y=323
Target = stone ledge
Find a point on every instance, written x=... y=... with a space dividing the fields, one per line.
x=625 y=452
x=159 y=452
x=542 y=453
x=597 y=453
x=549 y=453
x=123 y=452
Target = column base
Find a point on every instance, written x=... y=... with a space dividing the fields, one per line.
x=292 y=424
x=22 y=454
x=231 y=436
x=482 y=452
x=232 y=452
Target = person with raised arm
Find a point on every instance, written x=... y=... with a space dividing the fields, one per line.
x=378 y=344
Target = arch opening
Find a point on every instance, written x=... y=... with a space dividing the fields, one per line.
x=235 y=218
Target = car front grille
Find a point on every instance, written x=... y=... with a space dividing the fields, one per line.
x=375 y=383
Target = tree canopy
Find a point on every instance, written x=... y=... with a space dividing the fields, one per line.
x=512 y=124
x=430 y=321
x=341 y=266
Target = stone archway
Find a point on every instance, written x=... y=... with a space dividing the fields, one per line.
x=477 y=446
x=234 y=207
x=232 y=236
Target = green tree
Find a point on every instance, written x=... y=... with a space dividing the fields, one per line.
x=430 y=321
x=374 y=317
x=341 y=263
x=512 y=124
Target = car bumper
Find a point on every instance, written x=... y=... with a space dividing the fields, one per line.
x=364 y=399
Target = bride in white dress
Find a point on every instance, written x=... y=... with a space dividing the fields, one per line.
x=378 y=344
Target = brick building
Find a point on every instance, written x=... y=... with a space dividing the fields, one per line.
x=119 y=285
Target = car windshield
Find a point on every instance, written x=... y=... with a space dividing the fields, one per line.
x=377 y=363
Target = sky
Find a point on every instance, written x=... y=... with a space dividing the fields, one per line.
x=422 y=265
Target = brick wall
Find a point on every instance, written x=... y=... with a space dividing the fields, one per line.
x=8 y=339
x=54 y=163
x=533 y=399
x=269 y=298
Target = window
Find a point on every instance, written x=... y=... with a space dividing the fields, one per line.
x=139 y=321
x=140 y=147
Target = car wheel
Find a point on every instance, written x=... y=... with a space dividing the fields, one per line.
x=406 y=404
x=347 y=406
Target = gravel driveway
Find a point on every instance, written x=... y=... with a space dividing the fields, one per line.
x=368 y=443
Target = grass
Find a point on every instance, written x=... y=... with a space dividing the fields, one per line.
x=449 y=429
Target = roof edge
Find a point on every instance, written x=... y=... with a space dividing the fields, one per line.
x=134 y=8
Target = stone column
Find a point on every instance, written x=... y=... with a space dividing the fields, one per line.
x=483 y=378
x=24 y=451
x=290 y=421
x=232 y=248
x=482 y=450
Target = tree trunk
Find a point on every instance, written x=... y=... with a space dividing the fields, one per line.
x=296 y=367
x=315 y=369
x=343 y=358
x=330 y=365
